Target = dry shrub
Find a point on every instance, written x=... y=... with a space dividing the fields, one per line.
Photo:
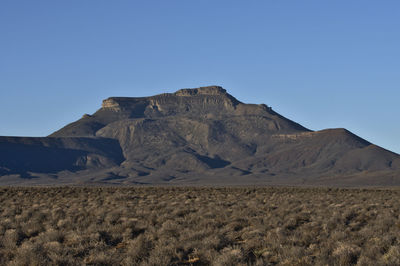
x=346 y=254
x=392 y=257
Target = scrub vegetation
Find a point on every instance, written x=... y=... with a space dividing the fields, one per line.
x=199 y=226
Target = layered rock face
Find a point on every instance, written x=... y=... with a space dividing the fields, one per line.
x=206 y=136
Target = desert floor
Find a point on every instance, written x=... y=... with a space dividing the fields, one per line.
x=199 y=226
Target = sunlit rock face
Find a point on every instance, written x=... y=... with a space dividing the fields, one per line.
x=200 y=101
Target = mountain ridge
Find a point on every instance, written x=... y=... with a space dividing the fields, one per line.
x=196 y=136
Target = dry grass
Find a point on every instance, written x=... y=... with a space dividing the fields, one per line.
x=199 y=226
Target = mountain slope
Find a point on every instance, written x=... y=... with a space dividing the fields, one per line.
x=195 y=136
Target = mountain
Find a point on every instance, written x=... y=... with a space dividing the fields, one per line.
x=194 y=137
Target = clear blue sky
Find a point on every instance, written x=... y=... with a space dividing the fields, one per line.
x=324 y=64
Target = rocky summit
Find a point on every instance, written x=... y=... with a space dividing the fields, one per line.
x=201 y=136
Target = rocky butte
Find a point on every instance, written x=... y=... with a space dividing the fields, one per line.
x=201 y=136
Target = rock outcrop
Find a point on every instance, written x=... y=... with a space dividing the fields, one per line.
x=195 y=136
